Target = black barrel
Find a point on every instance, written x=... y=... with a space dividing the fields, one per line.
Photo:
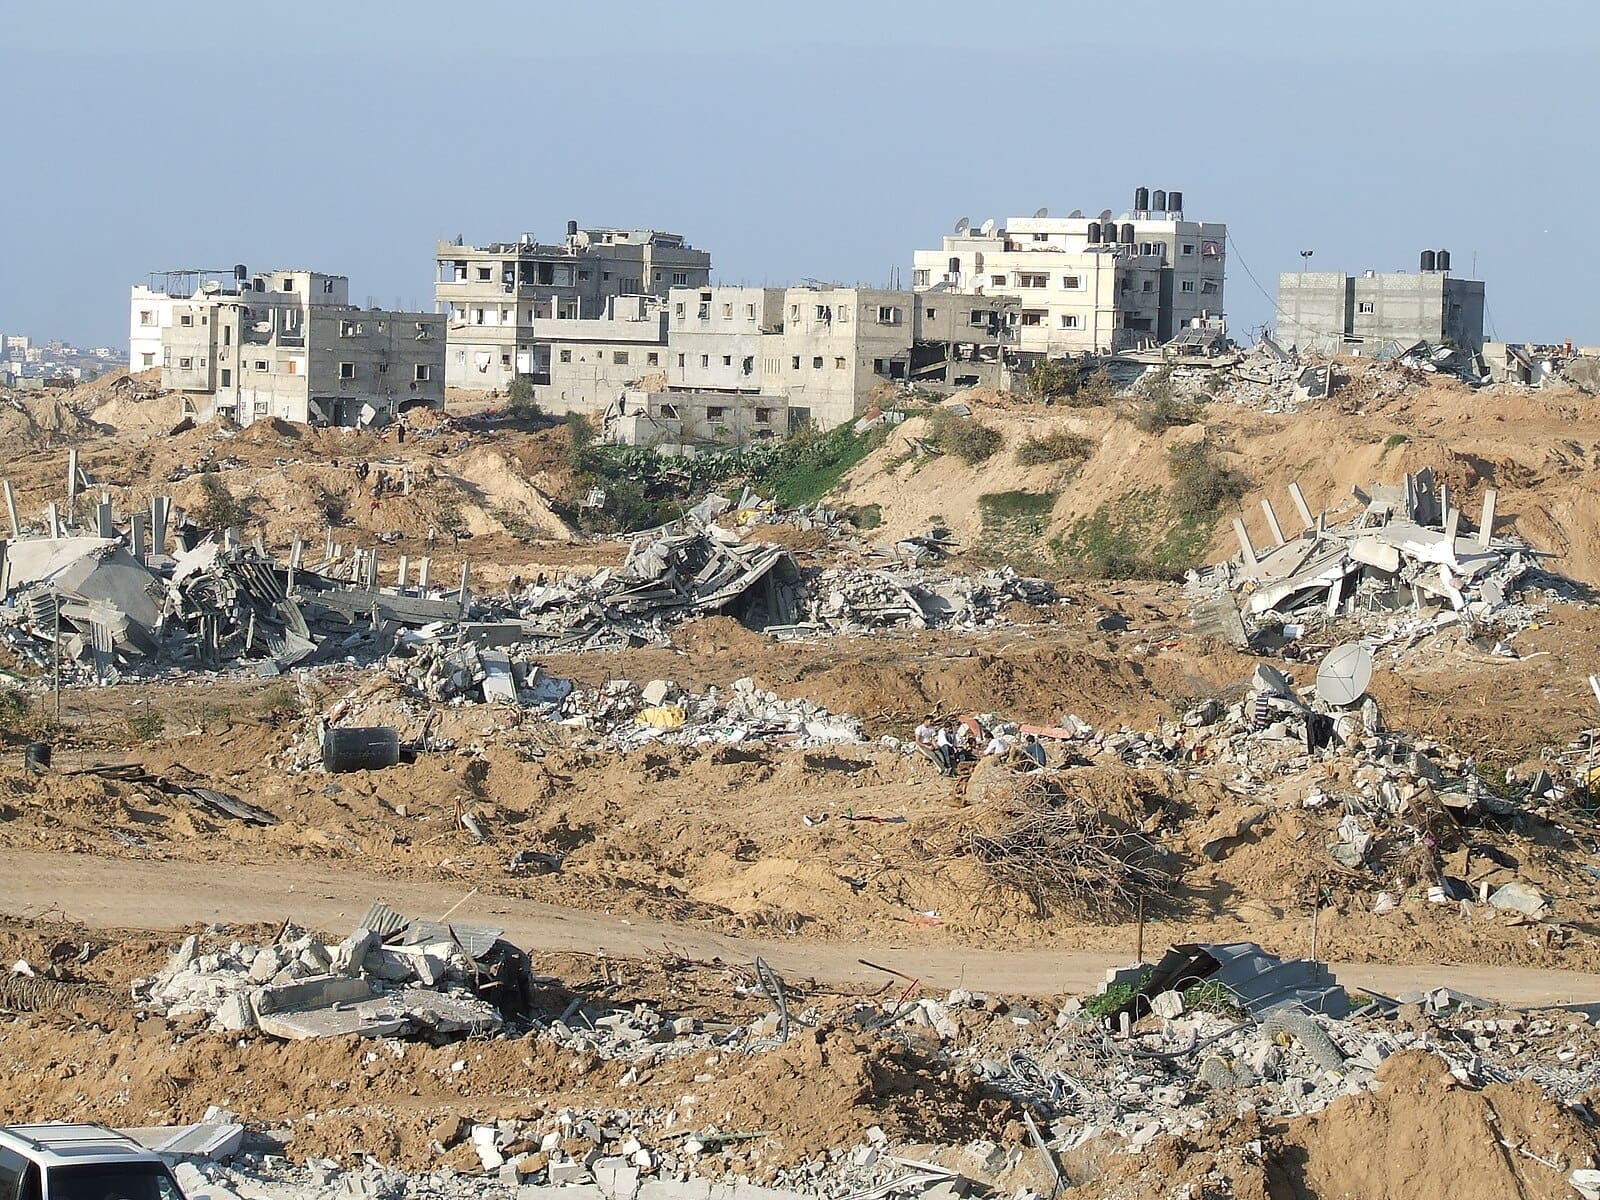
x=36 y=757
x=365 y=749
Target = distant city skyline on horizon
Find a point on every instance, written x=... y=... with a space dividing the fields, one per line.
x=795 y=142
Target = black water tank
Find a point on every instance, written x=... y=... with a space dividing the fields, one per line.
x=1141 y=199
x=955 y=266
x=1127 y=233
x=1442 y=260
x=572 y=229
x=36 y=757
x=1427 y=260
x=1174 y=201
x=239 y=272
x=1158 y=201
x=1094 y=233
x=364 y=749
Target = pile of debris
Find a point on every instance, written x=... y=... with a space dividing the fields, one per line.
x=392 y=977
x=854 y=600
x=1402 y=565
x=628 y=716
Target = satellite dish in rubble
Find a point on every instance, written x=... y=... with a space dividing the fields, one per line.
x=1344 y=674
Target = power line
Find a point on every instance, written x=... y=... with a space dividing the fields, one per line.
x=1277 y=309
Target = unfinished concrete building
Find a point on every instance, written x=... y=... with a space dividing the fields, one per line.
x=1088 y=284
x=593 y=360
x=716 y=333
x=1329 y=312
x=494 y=295
x=677 y=422
x=836 y=345
x=287 y=344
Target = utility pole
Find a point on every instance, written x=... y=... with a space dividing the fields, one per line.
x=55 y=643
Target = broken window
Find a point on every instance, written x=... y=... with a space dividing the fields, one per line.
x=1188 y=285
x=423 y=373
x=750 y=312
x=292 y=366
x=816 y=363
x=566 y=356
x=839 y=363
x=794 y=363
x=146 y=317
x=919 y=277
x=505 y=361
x=288 y=284
x=1208 y=287
x=763 y=416
x=1071 y=321
x=348 y=328
x=347 y=370
x=1366 y=306
x=261 y=364
x=703 y=312
x=327 y=286
x=678 y=311
x=652 y=359
x=843 y=313
x=1033 y=316
x=749 y=364
x=977 y=317
x=185 y=363
x=1188 y=247
x=932 y=313
x=680 y=360
x=1033 y=281
x=888 y=315
x=727 y=312
x=716 y=413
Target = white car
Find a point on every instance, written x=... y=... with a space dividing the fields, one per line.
x=80 y=1162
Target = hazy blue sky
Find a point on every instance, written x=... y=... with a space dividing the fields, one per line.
x=819 y=139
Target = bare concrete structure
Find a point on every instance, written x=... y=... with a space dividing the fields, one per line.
x=836 y=346
x=676 y=422
x=1330 y=312
x=287 y=344
x=715 y=336
x=494 y=295
x=1081 y=283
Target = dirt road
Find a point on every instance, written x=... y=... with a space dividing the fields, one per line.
x=124 y=893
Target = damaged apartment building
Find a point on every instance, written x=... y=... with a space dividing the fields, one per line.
x=1329 y=312
x=1087 y=284
x=285 y=345
x=509 y=303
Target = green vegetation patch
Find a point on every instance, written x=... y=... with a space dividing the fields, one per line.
x=1014 y=524
x=1136 y=536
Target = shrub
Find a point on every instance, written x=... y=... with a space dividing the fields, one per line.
x=968 y=438
x=1050 y=378
x=864 y=516
x=1059 y=445
x=1164 y=412
x=519 y=398
x=218 y=509
x=1096 y=391
x=580 y=439
x=1200 y=484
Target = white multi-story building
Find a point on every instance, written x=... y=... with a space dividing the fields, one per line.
x=1088 y=284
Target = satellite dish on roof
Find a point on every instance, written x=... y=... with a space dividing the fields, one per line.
x=1344 y=674
x=988 y=227
x=1043 y=212
x=1075 y=215
x=963 y=225
x=1105 y=214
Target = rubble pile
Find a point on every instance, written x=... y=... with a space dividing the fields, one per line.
x=1401 y=566
x=392 y=977
x=628 y=716
x=851 y=600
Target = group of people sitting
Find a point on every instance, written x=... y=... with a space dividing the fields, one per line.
x=956 y=741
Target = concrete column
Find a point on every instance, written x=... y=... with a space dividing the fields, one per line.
x=297 y=553
x=1486 y=519
x=141 y=546
x=466 y=576
x=405 y=569
x=424 y=569
x=1245 y=548
x=1452 y=521
x=372 y=571
x=1444 y=497
x=72 y=486
x=103 y=521
x=11 y=510
x=1272 y=521
x=159 y=508
x=1300 y=505
x=54 y=516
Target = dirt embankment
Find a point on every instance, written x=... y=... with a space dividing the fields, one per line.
x=1536 y=448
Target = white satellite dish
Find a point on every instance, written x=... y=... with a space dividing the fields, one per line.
x=988 y=227
x=963 y=225
x=1043 y=212
x=1344 y=674
x=1075 y=215
x=1105 y=214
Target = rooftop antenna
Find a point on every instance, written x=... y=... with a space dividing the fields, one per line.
x=963 y=225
